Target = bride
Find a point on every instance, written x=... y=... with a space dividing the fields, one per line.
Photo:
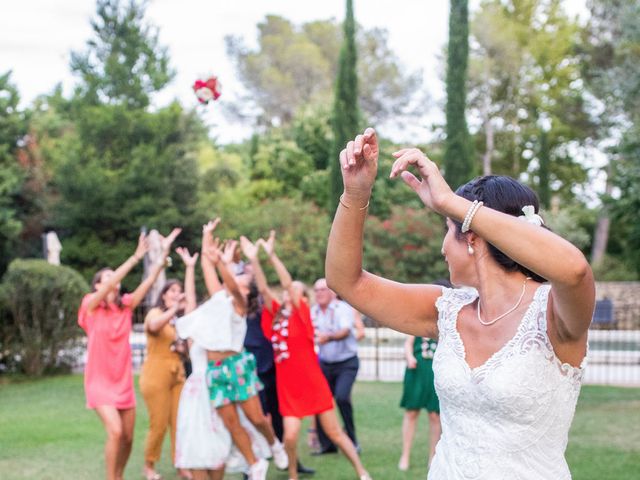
x=511 y=342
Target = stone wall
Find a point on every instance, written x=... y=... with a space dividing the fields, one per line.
x=626 y=302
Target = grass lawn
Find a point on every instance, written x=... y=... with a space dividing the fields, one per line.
x=46 y=433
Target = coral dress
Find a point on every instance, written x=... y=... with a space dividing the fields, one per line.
x=302 y=388
x=108 y=377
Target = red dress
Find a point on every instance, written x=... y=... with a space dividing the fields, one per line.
x=302 y=388
x=108 y=377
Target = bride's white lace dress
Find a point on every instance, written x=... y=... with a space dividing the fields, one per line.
x=508 y=418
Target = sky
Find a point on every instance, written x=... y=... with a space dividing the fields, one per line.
x=37 y=36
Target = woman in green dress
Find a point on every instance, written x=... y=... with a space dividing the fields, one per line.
x=419 y=392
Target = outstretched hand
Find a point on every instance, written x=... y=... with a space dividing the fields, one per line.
x=211 y=250
x=249 y=249
x=188 y=259
x=207 y=231
x=142 y=248
x=229 y=251
x=359 y=164
x=168 y=240
x=270 y=244
x=432 y=188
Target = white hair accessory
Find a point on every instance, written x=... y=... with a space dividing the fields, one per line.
x=531 y=216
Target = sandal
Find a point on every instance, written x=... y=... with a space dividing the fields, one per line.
x=152 y=476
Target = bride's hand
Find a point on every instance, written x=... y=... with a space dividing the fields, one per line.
x=432 y=189
x=359 y=166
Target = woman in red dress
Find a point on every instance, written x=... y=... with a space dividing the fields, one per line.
x=105 y=316
x=301 y=386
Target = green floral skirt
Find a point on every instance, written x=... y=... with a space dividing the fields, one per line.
x=233 y=379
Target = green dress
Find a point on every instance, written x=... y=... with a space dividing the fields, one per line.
x=418 y=389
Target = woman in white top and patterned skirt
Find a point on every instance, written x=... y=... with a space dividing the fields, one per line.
x=231 y=371
x=511 y=342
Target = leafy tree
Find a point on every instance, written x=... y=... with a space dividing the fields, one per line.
x=13 y=128
x=295 y=65
x=125 y=63
x=125 y=167
x=525 y=89
x=346 y=116
x=406 y=246
x=458 y=160
x=611 y=68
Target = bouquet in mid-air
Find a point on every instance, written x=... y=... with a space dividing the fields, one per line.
x=207 y=90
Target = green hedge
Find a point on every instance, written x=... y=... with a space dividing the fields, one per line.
x=39 y=330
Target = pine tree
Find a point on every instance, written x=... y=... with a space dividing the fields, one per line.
x=346 y=116
x=458 y=161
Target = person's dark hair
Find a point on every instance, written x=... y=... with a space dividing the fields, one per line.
x=160 y=301
x=506 y=195
x=254 y=305
x=96 y=280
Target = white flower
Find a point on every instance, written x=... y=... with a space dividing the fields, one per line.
x=530 y=216
x=204 y=94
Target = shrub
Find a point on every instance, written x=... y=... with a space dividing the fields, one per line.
x=41 y=304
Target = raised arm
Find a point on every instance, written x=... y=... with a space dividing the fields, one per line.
x=140 y=292
x=228 y=278
x=121 y=272
x=536 y=248
x=251 y=251
x=156 y=318
x=283 y=274
x=210 y=256
x=406 y=308
x=189 y=278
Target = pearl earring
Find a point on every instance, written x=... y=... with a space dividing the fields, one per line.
x=470 y=249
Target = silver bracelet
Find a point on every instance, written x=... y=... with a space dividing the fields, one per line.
x=473 y=209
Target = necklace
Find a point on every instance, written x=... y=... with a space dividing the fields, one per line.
x=491 y=322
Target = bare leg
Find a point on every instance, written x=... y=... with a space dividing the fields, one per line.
x=329 y=423
x=200 y=474
x=128 y=418
x=239 y=435
x=113 y=427
x=291 y=432
x=217 y=474
x=253 y=410
x=408 y=431
x=435 y=431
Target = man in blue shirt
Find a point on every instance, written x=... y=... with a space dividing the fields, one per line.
x=338 y=353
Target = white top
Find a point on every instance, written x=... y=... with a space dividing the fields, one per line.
x=218 y=325
x=202 y=441
x=509 y=418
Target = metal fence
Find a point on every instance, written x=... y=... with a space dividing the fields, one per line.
x=613 y=357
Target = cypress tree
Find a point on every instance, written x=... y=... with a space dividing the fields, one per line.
x=458 y=161
x=346 y=117
x=544 y=187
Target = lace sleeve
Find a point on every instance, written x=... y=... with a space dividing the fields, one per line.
x=450 y=303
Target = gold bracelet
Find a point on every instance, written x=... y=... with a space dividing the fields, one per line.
x=348 y=207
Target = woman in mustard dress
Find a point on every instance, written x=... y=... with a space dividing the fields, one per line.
x=163 y=375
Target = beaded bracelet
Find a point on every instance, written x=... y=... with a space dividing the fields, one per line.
x=473 y=209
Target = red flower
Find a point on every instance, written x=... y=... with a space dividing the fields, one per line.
x=207 y=90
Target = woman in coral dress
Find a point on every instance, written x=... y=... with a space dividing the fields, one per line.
x=302 y=388
x=105 y=316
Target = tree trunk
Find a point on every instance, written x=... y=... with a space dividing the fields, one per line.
x=601 y=235
x=488 y=132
